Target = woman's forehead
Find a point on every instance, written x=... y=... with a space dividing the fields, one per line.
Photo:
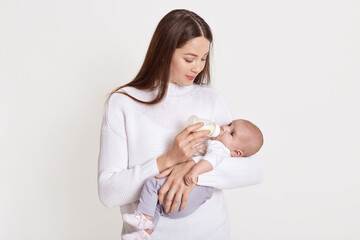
x=198 y=46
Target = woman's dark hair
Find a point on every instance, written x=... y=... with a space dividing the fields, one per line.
x=173 y=31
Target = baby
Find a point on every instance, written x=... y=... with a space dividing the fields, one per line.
x=240 y=138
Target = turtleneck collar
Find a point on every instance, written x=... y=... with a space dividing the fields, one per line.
x=177 y=90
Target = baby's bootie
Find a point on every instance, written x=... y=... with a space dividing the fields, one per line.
x=138 y=220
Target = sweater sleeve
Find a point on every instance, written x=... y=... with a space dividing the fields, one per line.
x=232 y=172
x=117 y=184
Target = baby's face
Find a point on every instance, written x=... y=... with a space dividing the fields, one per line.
x=231 y=135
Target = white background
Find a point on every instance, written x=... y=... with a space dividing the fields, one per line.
x=291 y=67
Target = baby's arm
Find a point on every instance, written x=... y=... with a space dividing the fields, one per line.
x=201 y=167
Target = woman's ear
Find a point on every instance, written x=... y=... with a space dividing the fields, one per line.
x=236 y=153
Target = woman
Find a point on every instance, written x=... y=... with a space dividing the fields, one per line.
x=143 y=132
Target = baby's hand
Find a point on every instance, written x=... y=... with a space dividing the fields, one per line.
x=191 y=178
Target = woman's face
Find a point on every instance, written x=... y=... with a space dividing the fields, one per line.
x=188 y=61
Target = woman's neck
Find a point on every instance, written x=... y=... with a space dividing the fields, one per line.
x=176 y=89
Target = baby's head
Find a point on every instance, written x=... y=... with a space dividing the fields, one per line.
x=241 y=137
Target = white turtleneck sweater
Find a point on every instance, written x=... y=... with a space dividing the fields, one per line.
x=134 y=135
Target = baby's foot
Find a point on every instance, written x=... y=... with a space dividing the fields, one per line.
x=139 y=234
x=138 y=220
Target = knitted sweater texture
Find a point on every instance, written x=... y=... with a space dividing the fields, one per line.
x=134 y=135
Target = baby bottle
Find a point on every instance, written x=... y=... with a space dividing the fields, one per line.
x=208 y=125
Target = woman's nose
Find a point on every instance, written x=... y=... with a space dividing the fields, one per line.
x=197 y=67
x=196 y=70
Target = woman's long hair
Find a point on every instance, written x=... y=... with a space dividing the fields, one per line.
x=173 y=31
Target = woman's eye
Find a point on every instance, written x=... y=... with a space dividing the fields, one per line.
x=187 y=60
x=204 y=60
x=232 y=133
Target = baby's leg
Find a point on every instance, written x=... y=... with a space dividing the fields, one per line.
x=149 y=199
x=197 y=197
x=156 y=217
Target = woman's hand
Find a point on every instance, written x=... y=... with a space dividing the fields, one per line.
x=183 y=146
x=175 y=187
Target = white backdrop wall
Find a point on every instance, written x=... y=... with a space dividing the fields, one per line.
x=292 y=67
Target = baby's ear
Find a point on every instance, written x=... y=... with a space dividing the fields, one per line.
x=237 y=153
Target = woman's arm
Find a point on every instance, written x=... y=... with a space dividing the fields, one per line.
x=118 y=185
x=234 y=172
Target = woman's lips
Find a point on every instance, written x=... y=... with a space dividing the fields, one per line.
x=190 y=78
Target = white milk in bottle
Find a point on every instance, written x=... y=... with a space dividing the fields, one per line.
x=208 y=125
